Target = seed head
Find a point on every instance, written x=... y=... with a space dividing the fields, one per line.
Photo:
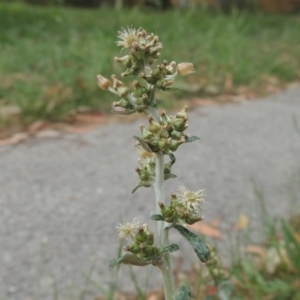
x=103 y=82
x=191 y=199
x=127 y=37
x=185 y=68
x=128 y=229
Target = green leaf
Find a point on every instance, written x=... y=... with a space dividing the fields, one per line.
x=170 y=248
x=191 y=139
x=199 y=246
x=172 y=157
x=154 y=105
x=143 y=143
x=128 y=259
x=292 y=245
x=183 y=292
x=140 y=185
x=169 y=176
x=225 y=289
x=157 y=217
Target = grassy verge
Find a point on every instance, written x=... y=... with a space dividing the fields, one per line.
x=266 y=271
x=49 y=57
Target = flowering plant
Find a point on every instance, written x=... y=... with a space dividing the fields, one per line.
x=162 y=137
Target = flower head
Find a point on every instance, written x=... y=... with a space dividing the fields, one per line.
x=185 y=68
x=103 y=82
x=128 y=229
x=191 y=199
x=127 y=37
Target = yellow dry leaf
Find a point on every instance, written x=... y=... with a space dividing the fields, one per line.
x=242 y=222
x=206 y=230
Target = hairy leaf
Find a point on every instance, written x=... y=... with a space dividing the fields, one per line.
x=172 y=157
x=191 y=139
x=169 y=176
x=157 y=217
x=183 y=292
x=140 y=185
x=143 y=143
x=128 y=259
x=199 y=246
x=170 y=248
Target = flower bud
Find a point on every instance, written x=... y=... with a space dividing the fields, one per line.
x=154 y=127
x=133 y=247
x=123 y=91
x=103 y=82
x=174 y=145
x=116 y=83
x=139 y=90
x=146 y=134
x=165 y=118
x=156 y=49
x=122 y=103
x=150 y=240
x=176 y=135
x=178 y=124
x=170 y=67
x=185 y=68
x=163 y=144
x=125 y=60
x=182 y=114
x=141 y=236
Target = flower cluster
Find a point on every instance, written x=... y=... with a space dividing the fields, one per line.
x=183 y=209
x=167 y=135
x=146 y=171
x=142 y=55
x=142 y=240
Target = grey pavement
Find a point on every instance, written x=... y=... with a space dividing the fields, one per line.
x=60 y=199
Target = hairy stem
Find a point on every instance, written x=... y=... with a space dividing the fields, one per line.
x=165 y=266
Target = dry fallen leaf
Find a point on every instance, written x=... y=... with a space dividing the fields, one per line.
x=206 y=229
x=242 y=222
x=257 y=250
x=47 y=134
x=15 y=139
x=216 y=222
x=80 y=129
x=37 y=126
x=90 y=117
x=203 y=102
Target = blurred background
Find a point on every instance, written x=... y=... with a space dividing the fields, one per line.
x=51 y=51
x=55 y=198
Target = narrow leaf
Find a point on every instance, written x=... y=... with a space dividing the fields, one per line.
x=183 y=292
x=199 y=246
x=292 y=245
x=140 y=185
x=191 y=139
x=172 y=157
x=143 y=143
x=157 y=217
x=128 y=259
x=169 y=176
x=170 y=248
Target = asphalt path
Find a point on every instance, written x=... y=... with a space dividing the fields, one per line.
x=61 y=199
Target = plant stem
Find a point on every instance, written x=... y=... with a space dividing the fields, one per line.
x=165 y=266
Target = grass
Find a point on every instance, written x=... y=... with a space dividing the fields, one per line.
x=49 y=57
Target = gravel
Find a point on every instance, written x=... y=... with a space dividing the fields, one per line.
x=61 y=198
